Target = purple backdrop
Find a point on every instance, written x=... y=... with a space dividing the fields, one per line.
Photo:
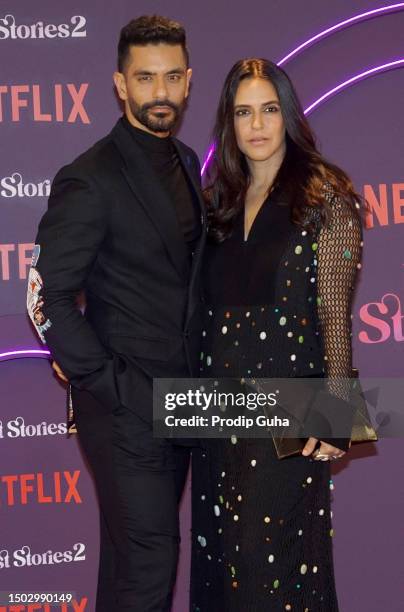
x=56 y=98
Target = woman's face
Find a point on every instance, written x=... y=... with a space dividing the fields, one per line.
x=258 y=121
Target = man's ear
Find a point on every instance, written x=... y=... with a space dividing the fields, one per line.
x=188 y=77
x=120 y=84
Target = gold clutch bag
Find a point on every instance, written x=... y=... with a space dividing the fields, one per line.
x=362 y=428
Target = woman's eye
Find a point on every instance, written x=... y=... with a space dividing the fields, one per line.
x=241 y=112
x=271 y=109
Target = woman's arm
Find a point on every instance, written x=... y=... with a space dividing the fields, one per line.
x=339 y=257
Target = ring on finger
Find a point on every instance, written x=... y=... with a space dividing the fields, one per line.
x=321 y=457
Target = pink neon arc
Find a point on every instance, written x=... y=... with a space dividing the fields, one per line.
x=377 y=69
x=314 y=39
x=358 y=77
x=207 y=160
x=23 y=353
x=341 y=25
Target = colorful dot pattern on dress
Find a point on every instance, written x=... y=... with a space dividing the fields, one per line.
x=269 y=534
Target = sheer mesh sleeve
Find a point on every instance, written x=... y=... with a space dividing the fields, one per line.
x=338 y=259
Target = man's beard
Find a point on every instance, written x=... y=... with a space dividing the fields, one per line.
x=160 y=122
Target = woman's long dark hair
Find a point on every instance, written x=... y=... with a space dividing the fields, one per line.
x=303 y=174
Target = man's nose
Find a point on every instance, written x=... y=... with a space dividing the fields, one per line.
x=160 y=88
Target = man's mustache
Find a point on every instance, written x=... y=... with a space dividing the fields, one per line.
x=154 y=103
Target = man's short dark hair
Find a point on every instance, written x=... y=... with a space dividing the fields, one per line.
x=150 y=30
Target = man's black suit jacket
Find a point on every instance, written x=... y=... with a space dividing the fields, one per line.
x=111 y=230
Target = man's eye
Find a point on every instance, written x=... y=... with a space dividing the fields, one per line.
x=174 y=77
x=145 y=77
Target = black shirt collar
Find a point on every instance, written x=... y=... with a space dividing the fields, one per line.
x=154 y=145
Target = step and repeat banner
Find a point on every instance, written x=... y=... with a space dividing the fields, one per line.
x=56 y=98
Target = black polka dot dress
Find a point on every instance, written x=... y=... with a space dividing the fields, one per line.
x=278 y=305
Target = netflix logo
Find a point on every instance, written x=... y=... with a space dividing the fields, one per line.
x=21 y=254
x=40 y=488
x=60 y=103
x=73 y=606
x=386 y=204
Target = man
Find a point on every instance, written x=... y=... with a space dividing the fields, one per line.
x=125 y=223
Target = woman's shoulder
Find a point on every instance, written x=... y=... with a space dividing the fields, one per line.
x=341 y=209
x=334 y=210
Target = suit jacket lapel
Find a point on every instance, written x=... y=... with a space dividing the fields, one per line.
x=186 y=160
x=195 y=181
x=146 y=186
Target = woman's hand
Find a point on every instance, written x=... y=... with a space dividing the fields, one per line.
x=59 y=371
x=326 y=452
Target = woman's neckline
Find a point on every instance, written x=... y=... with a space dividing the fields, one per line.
x=263 y=204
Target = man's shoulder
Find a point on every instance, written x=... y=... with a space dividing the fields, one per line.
x=188 y=151
x=99 y=161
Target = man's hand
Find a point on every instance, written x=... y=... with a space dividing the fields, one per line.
x=59 y=371
x=326 y=452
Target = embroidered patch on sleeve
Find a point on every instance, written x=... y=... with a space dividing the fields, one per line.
x=71 y=425
x=34 y=298
x=35 y=255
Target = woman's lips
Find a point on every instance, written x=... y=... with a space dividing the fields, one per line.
x=258 y=141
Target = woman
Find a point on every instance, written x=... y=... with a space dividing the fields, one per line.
x=285 y=246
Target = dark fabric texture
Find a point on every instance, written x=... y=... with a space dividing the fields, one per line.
x=139 y=481
x=163 y=156
x=111 y=231
x=278 y=305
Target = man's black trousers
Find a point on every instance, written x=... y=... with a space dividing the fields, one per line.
x=139 y=481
